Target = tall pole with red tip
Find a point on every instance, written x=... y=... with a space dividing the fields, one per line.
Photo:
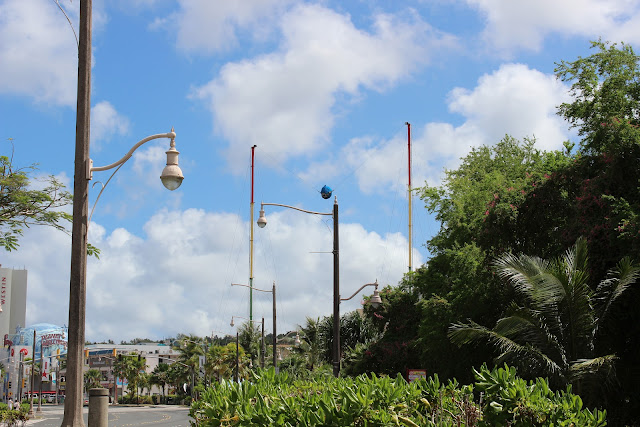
x=409 y=195
x=253 y=149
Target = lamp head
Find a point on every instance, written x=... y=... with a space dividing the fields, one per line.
x=262 y=220
x=172 y=174
x=375 y=299
x=231 y=321
x=297 y=341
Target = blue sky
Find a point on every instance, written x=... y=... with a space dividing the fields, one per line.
x=322 y=88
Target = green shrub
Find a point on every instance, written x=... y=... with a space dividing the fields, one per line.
x=498 y=397
x=516 y=402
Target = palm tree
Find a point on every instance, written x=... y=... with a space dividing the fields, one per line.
x=249 y=338
x=92 y=379
x=177 y=375
x=144 y=381
x=311 y=343
x=130 y=367
x=160 y=376
x=191 y=348
x=553 y=332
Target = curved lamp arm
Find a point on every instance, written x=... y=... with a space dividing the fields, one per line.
x=240 y=317
x=262 y=220
x=361 y=288
x=262 y=205
x=171 y=135
x=171 y=175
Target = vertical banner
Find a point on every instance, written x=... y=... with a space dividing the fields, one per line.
x=201 y=361
x=5 y=300
x=45 y=372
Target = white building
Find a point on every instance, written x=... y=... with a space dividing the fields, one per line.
x=13 y=300
x=102 y=357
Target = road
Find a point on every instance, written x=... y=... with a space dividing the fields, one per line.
x=122 y=416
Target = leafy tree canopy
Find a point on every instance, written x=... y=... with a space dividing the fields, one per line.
x=553 y=332
x=606 y=92
x=27 y=201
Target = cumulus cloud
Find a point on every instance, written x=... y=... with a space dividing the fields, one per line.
x=38 y=52
x=106 y=123
x=284 y=101
x=511 y=25
x=204 y=26
x=514 y=100
x=177 y=276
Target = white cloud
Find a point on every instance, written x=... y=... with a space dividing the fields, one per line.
x=517 y=24
x=514 y=100
x=283 y=101
x=177 y=277
x=203 y=26
x=38 y=52
x=106 y=123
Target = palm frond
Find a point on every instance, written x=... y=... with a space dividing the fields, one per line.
x=526 y=326
x=594 y=373
x=521 y=271
x=618 y=280
x=510 y=350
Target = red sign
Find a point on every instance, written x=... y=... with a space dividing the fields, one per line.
x=24 y=351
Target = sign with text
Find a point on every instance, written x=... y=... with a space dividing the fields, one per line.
x=416 y=374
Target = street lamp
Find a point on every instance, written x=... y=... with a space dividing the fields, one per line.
x=262 y=222
x=172 y=177
x=273 y=292
x=374 y=300
x=261 y=341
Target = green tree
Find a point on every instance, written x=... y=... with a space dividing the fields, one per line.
x=606 y=93
x=552 y=331
x=178 y=374
x=27 y=201
x=144 y=381
x=191 y=348
x=160 y=376
x=130 y=366
x=249 y=336
x=391 y=347
x=221 y=361
x=92 y=379
x=311 y=344
x=477 y=207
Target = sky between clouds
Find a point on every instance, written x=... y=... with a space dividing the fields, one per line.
x=322 y=88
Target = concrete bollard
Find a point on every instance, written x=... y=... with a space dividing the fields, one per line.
x=98 y=407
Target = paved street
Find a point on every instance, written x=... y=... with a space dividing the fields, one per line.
x=123 y=416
